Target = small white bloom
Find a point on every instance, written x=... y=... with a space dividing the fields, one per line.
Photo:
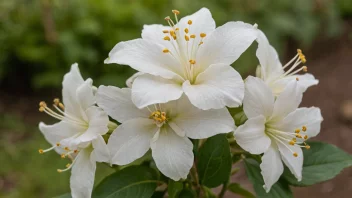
x=190 y=56
x=274 y=74
x=78 y=135
x=276 y=128
x=165 y=128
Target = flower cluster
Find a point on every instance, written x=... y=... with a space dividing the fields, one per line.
x=183 y=89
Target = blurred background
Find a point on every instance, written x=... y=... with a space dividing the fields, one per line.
x=40 y=39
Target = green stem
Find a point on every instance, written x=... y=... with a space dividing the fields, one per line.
x=223 y=189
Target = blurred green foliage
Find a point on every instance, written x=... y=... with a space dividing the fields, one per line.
x=40 y=39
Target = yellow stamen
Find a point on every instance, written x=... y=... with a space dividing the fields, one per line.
x=167 y=18
x=297 y=130
x=59 y=170
x=203 y=35
x=61 y=106
x=68 y=165
x=297 y=79
x=186 y=30
x=307 y=147
x=41 y=109
x=193 y=36
x=295 y=154
x=305 y=137
x=305 y=68
x=298 y=136
x=63 y=156
x=186 y=38
x=189 y=22
x=167 y=38
x=165 y=31
x=292 y=142
x=42 y=104
x=57 y=144
x=176 y=12
x=75 y=151
x=166 y=50
x=66 y=148
x=177 y=29
x=201 y=43
x=304 y=128
x=41 y=151
x=192 y=61
x=56 y=101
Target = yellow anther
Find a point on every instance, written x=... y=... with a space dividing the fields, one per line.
x=203 y=35
x=166 y=50
x=193 y=36
x=167 y=38
x=167 y=18
x=172 y=33
x=63 y=156
x=297 y=79
x=305 y=68
x=192 y=61
x=75 y=151
x=41 y=151
x=186 y=30
x=158 y=116
x=61 y=106
x=294 y=139
x=42 y=104
x=297 y=130
x=41 y=109
x=186 y=38
x=176 y=12
x=57 y=144
x=56 y=101
x=201 y=43
x=165 y=31
x=304 y=128
x=66 y=148
x=177 y=29
x=298 y=136
x=299 y=51
x=59 y=170
x=189 y=22
x=174 y=37
x=295 y=154
x=68 y=165
x=307 y=147
x=292 y=142
x=306 y=137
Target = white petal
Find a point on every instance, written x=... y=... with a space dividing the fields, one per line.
x=59 y=131
x=225 y=44
x=85 y=95
x=197 y=123
x=309 y=117
x=155 y=33
x=131 y=140
x=82 y=175
x=258 y=99
x=131 y=79
x=271 y=167
x=251 y=136
x=305 y=81
x=268 y=58
x=287 y=101
x=173 y=154
x=72 y=80
x=218 y=86
x=202 y=22
x=293 y=163
x=148 y=89
x=145 y=56
x=118 y=104
x=98 y=122
x=101 y=152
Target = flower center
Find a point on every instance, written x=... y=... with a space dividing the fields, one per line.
x=185 y=47
x=158 y=116
x=293 y=64
x=292 y=138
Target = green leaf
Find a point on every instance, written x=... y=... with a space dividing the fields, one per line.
x=67 y=195
x=237 y=189
x=187 y=193
x=321 y=162
x=214 y=164
x=174 y=188
x=278 y=190
x=131 y=182
x=158 y=194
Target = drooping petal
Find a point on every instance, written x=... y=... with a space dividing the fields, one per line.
x=85 y=96
x=271 y=167
x=251 y=135
x=82 y=175
x=218 y=86
x=196 y=123
x=295 y=164
x=309 y=118
x=131 y=79
x=101 y=152
x=305 y=81
x=72 y=80
x=287 y=101
x=131 y=140
x=97 y=125
x=148 y=89
x=258 y=99
x=118 y=104
x=225 y=44
x=268 y=58
x=173 y=154
x=59 y=131
x=145 y=56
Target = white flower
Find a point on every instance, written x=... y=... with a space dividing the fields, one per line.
x=78 y=135
x=165 y=128
x=276 y=128
x=190 y=57
x=273 y=73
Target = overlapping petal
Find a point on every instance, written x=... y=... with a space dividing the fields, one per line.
x=295 y=164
